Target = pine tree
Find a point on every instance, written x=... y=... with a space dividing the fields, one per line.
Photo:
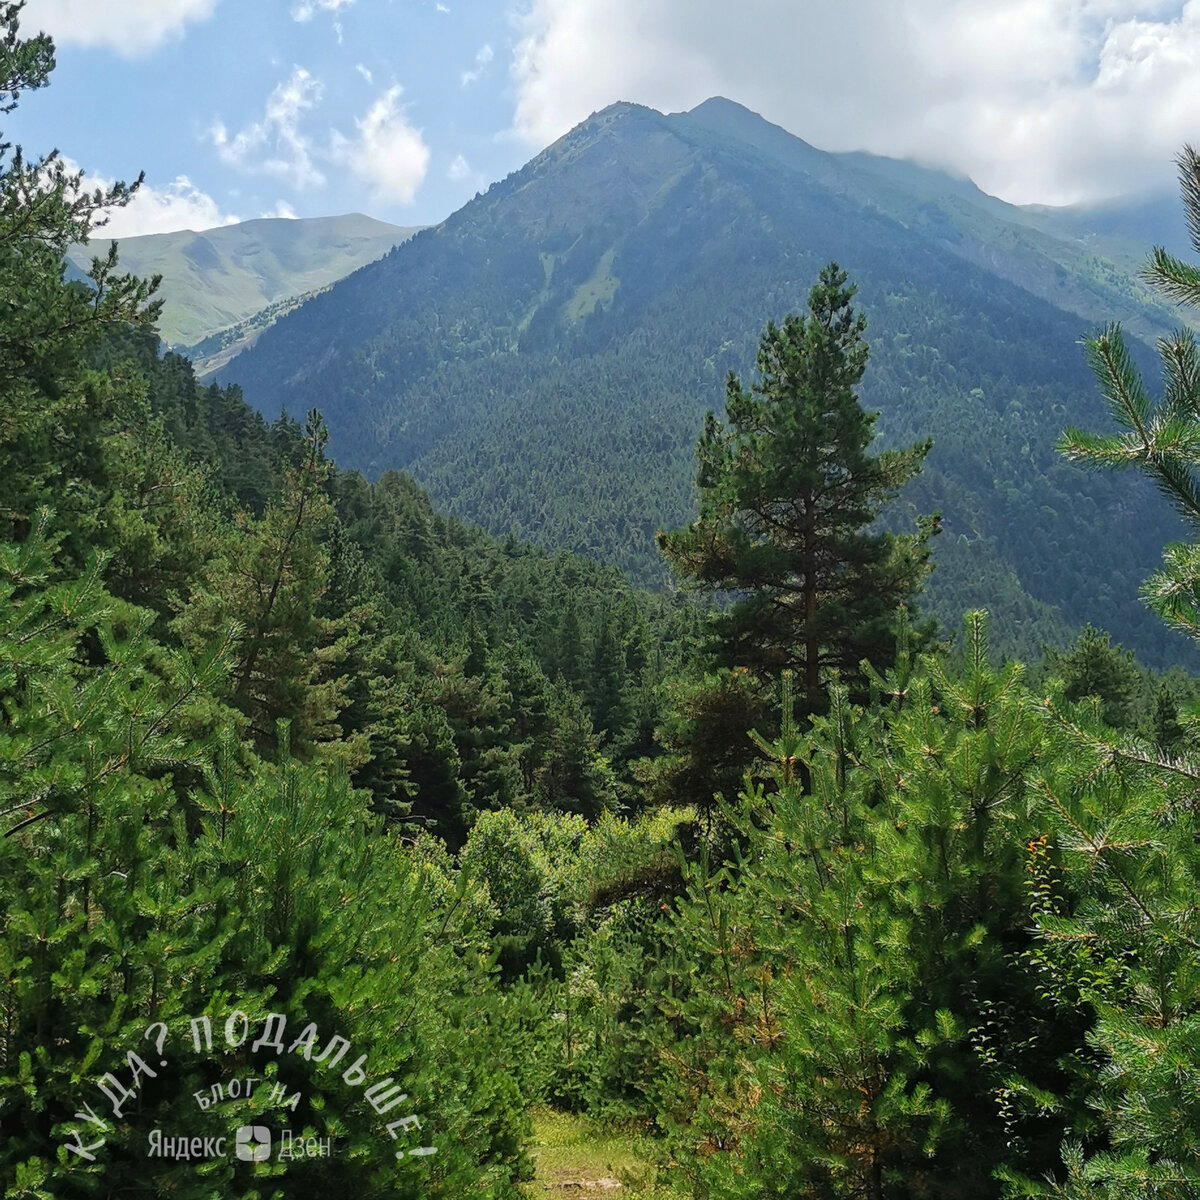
x=575 y=777
x=798 y=1074
x=110 y=917
x=858 y=1019
x=700 y=762
x=1158 y=437
x=268 y=580
x=54 y=406
x=530 y=690
x=142 y=881
x=342 y=926
x=1121 y=937
x=1166 y=730
x=1094 y=667
x=1124 y=816
x=788 y=491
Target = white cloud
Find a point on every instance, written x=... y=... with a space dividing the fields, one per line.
x=365 y=72
x=283 y=210
x=1037 y=100
x=275 y=144
x=482 y=58
x=460 y=171
x=387 y=152
x=176 y=205
x=307 y=9
x=128 y=26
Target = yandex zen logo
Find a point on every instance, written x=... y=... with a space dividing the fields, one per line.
x=254 y=1143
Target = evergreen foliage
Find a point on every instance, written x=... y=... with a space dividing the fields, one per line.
x=787 y=494
x=858 y=1020
x=705 y=741
x=1123 y=814
x=1158 y=437
x=1124 y=946
x=1094 y=667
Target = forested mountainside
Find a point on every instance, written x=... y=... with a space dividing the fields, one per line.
x=510 y=654
x=217 y=278
x=542 y=360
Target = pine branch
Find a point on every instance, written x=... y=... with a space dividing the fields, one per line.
x=1177 y=280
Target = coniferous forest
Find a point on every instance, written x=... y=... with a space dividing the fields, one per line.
x=329 y=815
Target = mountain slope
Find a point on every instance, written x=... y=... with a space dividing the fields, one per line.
x=542 y=360
x=1116 y=225
x=219 y=277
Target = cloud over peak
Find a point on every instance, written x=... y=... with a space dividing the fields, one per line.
x=179 y=204
x=1035 y=99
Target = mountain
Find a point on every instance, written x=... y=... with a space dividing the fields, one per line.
x=542 y=360
x=220 y=277
x=214 y=350
x=1115 y=226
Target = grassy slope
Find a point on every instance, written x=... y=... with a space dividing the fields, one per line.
x=220 y=277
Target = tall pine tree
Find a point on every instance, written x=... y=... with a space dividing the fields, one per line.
x=788 y=495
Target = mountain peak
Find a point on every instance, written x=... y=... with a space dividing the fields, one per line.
x=614 y=118
x=722 y=105
x=626 y=108
x=543 y=359
x=612 y=114
x=732 y=119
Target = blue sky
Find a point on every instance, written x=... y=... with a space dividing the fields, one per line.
x=403 y=109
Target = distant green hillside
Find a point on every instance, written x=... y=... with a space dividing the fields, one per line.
x=1118 y=226
x=542 y=360
x=220 y=277
x=211 y=353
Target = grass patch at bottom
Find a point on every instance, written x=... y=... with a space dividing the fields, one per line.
x=574 y=1157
